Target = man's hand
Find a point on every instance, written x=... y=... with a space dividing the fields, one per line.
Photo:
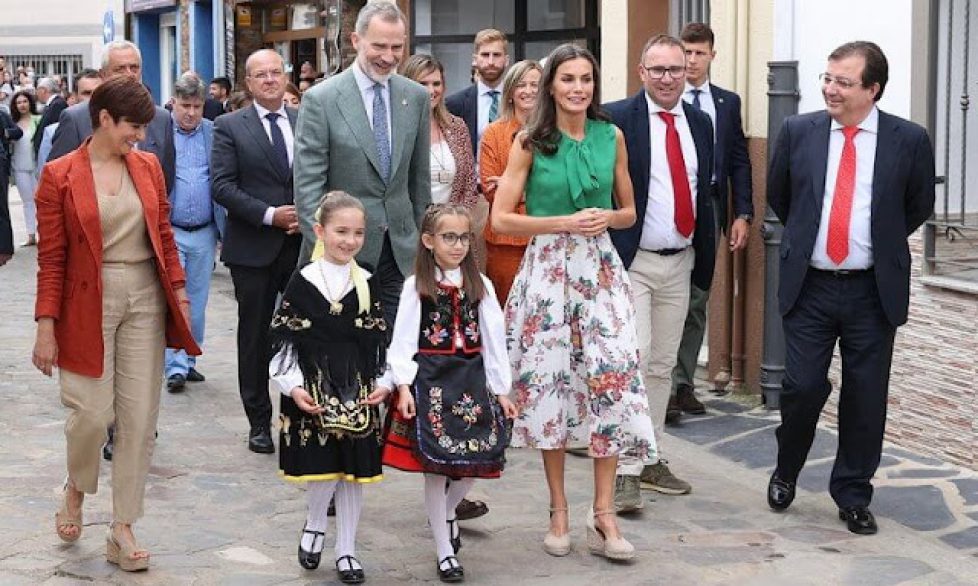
x=286 y=219
x=738 y=234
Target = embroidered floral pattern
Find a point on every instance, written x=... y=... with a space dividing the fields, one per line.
x=572 y=343
x=285 y=317
x=468 y=411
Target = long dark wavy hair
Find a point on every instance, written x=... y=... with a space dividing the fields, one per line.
x=542 y=133
x=31 y=101
x=426 y=281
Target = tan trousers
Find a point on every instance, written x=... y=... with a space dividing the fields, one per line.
x=660 y=291
x=128 y=392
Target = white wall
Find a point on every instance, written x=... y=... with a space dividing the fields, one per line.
x=807 y=31
x=49 y=27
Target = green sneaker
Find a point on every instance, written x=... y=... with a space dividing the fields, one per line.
x=659 y=478
x=628 y=494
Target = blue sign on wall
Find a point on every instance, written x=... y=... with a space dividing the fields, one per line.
x=108 y=27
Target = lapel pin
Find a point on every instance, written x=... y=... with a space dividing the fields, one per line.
x=720 y=100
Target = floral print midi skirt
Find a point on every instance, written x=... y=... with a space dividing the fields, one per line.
x=570 y=331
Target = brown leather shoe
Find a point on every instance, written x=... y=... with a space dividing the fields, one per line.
x=673 y=412
x=687 y=401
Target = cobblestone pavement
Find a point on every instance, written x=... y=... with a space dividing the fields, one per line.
x=217 y=514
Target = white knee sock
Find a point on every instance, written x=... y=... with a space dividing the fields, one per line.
x=435 y=499
x=349 y=501
x=457 y=489
x=318 y=494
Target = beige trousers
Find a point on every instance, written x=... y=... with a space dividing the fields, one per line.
x=128 y=392
x=660 y=291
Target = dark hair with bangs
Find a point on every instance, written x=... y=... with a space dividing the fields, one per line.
x=425 y=279
x=123 y=98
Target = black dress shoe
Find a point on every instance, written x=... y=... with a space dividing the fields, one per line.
x=859 y=520
x=780 y=493
x=351 y=575
x=454 y=535
x=673 y=411
x=194 y=376
x=310 y=559
x=449 y=570
x=467 y=509
x=175 y=383
x=260 y=441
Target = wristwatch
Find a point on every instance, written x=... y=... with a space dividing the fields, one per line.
x=746 y=217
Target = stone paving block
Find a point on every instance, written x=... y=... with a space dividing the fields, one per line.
x=727 y=406
x=968 y=489
x=918 y=507
x=884 y=570
x=923 y=473
x=908 y=455
x=815 y=477
x=812 y=535
x=712 y=429
x=966 y=539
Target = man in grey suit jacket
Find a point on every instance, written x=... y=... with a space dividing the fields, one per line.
x=75 y=123
x=365 y=131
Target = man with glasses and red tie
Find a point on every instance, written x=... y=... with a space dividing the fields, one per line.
x=850 y=183
x=670 y=161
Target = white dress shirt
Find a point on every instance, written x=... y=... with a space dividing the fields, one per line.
x=336 y=277
x=283 y=124
x=404 y=345
x=659 y=225
x=366 y=86
x=482 y=108
x=707 y=105
x=442 y=172
x=860 y=239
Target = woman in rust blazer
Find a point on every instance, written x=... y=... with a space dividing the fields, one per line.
x=505 y=253
x=110 y=296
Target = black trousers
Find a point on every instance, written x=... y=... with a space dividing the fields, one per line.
x=843 y=309
x=391 y=281
x=6 y=227
x=256 y=290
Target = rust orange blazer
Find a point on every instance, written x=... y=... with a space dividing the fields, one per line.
x=493 y=156
x=69 y=256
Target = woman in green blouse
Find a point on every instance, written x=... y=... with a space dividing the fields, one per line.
x=570 y=319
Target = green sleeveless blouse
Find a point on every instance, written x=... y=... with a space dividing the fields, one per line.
x=579 y=175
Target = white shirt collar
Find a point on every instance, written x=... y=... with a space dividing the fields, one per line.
x=654 y=108
x=484 y=89
x=704 y=88
x=454 y=276
x=262 y=111
x=870 y=123
x=331 y=268
x=364 y=82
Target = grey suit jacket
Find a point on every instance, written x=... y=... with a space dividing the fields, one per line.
x=75 y=125
x=335 y=149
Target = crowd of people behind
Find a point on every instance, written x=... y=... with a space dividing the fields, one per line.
x=347 y=211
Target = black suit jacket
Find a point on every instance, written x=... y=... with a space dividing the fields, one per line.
x=75 y=125
x=733 y=169
x=51 y=114
x=246 y=181
x=465 y=105
x=631 y=115
x=212 y=109
x=902 y=199
x=8 y=131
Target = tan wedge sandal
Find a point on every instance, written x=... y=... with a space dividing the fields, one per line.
x=121 y=554
x=558 y=546
x=64 y=521
x=618 y=549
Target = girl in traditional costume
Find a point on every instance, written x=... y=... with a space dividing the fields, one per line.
x=448 y=361
x=329 y=338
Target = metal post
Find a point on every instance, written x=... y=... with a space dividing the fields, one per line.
x=782 y=81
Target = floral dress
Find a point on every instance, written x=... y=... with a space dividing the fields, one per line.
x=570 y=319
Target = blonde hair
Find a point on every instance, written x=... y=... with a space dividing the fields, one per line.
x=512 y=78
x=420 y=65
x=489 y=35
x=334 y=201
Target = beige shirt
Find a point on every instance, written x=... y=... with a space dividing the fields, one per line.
x=124 y=236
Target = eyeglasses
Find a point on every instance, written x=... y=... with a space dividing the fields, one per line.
x=263 y=75
x=658 y=72
x=843 y=82
x=451 y=238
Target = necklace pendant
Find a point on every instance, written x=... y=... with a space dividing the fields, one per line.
x=335 y=308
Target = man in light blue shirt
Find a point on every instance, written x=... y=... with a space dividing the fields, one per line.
x=192 y=216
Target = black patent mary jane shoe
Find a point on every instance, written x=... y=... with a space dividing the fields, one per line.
x=353 y=574
x=310 y=559
x=449 y=570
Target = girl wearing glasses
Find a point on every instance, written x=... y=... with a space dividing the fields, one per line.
x=448 y=362
x=570 y=319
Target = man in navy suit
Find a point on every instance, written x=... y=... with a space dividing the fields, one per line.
x=479 y=104
x=732 y=174
x=850 y=183
x=670 y=161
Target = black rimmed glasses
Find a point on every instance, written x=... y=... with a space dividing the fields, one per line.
x=658 y=72
x=451 y=238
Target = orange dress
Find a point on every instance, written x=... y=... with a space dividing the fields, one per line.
x=503 y=253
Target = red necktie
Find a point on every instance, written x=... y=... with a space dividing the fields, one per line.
x=837 y=243
x=683 y=205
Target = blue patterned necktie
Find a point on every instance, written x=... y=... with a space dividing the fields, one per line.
x=380 y=132
x=278 y=143
x=696 y=98
x=494 y=107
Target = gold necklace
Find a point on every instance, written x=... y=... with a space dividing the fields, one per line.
x=335 y=307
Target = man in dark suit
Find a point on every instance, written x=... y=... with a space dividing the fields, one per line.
x=251 y=176
x=219 y=90
x=732 y=174
x=212 y=109
x=478 y=104
x=48 y=93
x=850 y=183
x=75 y=123
x=670 y=160
x=8 y=131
